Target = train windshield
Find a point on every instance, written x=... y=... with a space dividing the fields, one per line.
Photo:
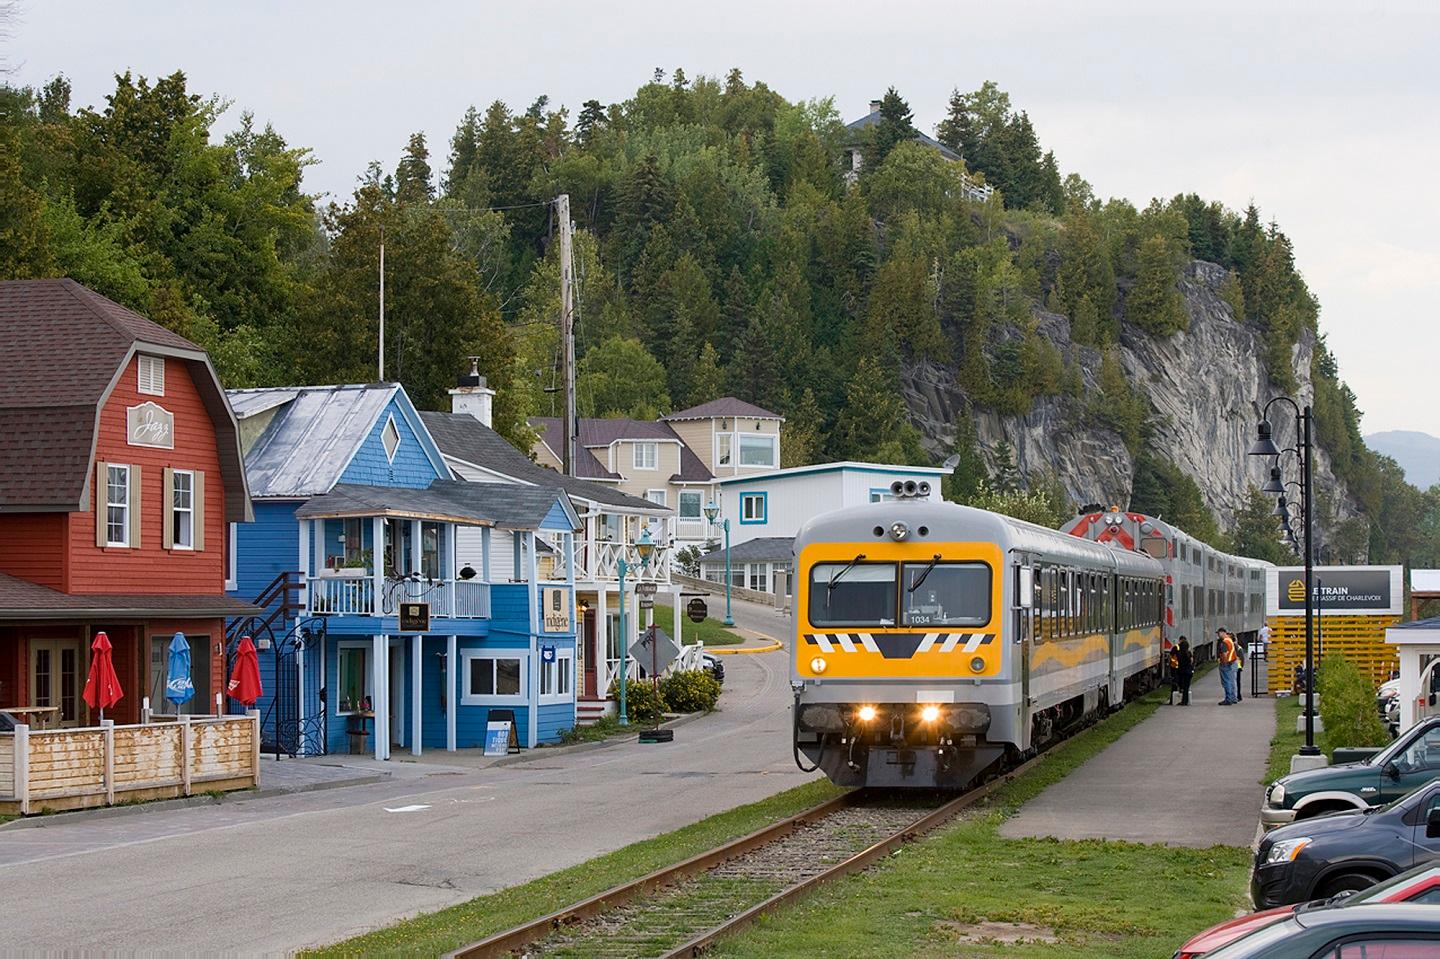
x=946 y=594
x=852 y=594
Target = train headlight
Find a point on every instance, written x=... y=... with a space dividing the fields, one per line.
x=977 y=665
x=930 y=713
x=817 y=665
x=866 y=713
x=899 y=531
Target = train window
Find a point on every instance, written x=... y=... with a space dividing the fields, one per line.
x=852 y=594
x=1155 y=546
x=1063 y=603
x=949 y=594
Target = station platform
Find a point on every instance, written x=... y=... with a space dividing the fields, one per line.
x=1186 y=776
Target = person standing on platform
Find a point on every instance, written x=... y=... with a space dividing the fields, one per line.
x=1172 y=670
x=1184 y=670
x=1228 y=657
x=1239 y=666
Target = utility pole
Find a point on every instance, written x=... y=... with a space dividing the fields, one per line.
x=382 y=306
x=567 y=332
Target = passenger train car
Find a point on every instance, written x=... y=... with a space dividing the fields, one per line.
x=934 y=640
x=1205 y=589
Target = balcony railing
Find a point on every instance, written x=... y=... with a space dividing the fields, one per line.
x=352 y=596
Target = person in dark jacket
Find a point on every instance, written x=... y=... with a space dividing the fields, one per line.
x=1184 y=670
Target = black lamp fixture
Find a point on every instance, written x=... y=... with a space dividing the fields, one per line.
x=1264 y=445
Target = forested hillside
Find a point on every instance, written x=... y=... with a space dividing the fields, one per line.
x=721 y=248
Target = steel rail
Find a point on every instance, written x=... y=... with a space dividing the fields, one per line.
x=504 y=943
x=855 y=863
x=513 y=940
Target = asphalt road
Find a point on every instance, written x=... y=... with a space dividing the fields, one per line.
x=272 y=875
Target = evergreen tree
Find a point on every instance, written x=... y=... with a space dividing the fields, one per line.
x=872 y=425
x=896 y=125
x=1007 y=474
x=412 y=176
x=735 y=316
x=707 y=377
x=1257 y=532
x=803 y=441
x=591 y=119
x=970 y=472
x=1154 y=304
x=754 y=373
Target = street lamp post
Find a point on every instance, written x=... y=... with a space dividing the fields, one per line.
x=712 y=511
x=643 y=548
x=1265 y=446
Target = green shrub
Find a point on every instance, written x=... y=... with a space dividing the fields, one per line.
x=642 y=701
x=690 y=691
x=1347 y=705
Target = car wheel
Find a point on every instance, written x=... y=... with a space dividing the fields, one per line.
x=1348 y=882
x=1320 y=809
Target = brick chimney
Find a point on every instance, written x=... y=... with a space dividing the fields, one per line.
x=471 y=395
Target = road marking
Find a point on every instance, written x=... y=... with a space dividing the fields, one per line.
x=416 y=807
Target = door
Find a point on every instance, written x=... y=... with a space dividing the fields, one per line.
x=1414 y=766
x=1426 y=847
x=589 y=656
x=56 y=679
x=399 y=715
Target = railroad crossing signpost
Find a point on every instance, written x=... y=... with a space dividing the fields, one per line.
x=654 y=646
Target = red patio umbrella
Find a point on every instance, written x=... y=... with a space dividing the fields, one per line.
x=102 y=686
x=245 y=685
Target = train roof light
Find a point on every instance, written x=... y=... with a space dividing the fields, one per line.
x=898 y=531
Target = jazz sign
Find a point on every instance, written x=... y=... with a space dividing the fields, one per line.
x=150 y=424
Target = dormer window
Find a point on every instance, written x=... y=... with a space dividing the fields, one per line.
x=151 y=372
x=390 y=438
x=647 y=456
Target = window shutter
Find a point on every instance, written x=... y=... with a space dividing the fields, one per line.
x=197 y=518
x=102 y=477
x=167 y=509
x=135 y=498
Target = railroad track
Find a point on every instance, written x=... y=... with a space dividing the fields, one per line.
x=683 y=909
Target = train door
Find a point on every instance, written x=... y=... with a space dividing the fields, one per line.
x=1027 y=592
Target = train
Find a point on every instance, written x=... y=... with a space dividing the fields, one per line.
x=935 y=642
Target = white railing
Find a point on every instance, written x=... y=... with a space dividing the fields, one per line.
x=600 y=562
x=472 y=599
x=343 y=596
x=691 y=530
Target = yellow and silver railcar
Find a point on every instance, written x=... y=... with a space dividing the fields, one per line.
x=933 y=640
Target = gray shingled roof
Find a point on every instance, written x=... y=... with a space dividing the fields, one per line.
x=762 y=549
x=449 y=501
x=724 y=406
x=63 y=344
x=463 y=437
x=692 y=470
x=870 y=119
x=22 y=599
x=306 y=447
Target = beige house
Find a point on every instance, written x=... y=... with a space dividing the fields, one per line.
x=675 y=461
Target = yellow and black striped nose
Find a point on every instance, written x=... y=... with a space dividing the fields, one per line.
x=899 y=645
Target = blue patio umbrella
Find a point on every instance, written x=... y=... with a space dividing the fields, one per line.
x=178 y=687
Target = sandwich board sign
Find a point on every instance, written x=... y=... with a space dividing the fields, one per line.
x=500 y=737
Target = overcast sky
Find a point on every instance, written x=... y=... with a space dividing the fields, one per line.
x=1323 y=113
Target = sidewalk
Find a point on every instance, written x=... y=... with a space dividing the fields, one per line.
x=1184 y=777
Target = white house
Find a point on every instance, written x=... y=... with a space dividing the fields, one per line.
x=766 y=511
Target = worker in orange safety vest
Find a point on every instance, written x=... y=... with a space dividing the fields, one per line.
x=1228 y=655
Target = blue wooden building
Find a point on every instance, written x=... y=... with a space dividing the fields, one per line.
x=357 y=513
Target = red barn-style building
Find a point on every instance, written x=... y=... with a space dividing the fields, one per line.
x=120 y=474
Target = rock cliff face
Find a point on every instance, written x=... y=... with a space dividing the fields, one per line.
x=1205 y=387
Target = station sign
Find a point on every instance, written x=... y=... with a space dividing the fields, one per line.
x=1337 y=590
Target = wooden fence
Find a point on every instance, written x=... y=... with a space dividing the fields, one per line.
x=1359 y=639
x=53 y=769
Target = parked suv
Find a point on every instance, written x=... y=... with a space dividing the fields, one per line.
x=1346 y=852
x=1408 y=762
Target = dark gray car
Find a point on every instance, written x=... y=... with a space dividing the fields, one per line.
x=1348 y=851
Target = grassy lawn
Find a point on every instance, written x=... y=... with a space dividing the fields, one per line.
x=439 y=932
x=711 y=631
x=1093 y=899
x=1287 y=741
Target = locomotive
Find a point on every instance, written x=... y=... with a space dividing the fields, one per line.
x=935 y=641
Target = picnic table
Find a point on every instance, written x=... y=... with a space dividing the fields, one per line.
x=44 y=716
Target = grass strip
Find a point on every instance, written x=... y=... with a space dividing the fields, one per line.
x=712 y=632
x=1287 y=741
x=438 y=932
x=966 y=891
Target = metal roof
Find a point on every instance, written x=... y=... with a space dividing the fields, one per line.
x=463 y=437
x=447 y=501
x=21 y=599
x=762 y=549
x=1425 y=581
x=312 y=438
x=724 y=406
x=852 y=465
